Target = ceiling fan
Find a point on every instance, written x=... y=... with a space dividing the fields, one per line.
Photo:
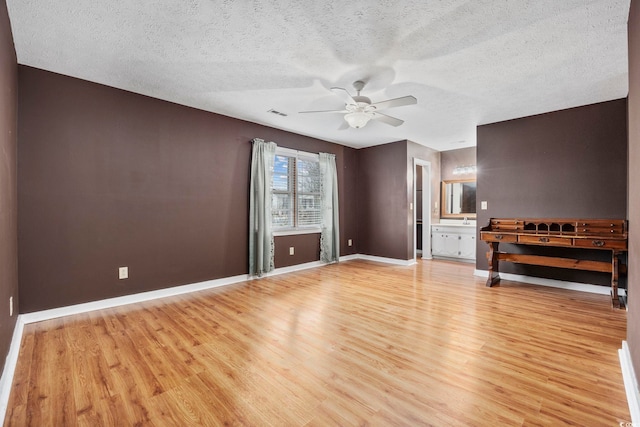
x=358 y=110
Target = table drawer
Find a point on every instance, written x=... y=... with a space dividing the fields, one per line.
x=506 y=223
x=544 y=240
x=606 y=223
x=507 y=227
x=601 y=243
x=604 y=231
x=499 y=237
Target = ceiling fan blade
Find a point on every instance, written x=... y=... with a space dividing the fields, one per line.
x=386 y=119
x=345 y=95
x=324 y=111
x=396 y=102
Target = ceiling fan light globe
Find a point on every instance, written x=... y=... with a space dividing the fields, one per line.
x=357 y=119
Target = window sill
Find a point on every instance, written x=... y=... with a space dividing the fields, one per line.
x=295 y=231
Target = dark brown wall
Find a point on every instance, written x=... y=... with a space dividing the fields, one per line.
x=109 y=178
x=385 y=190
x=306 y=248
x=349 y=208
x=569 y=163
x=382 y=201
x=633 y=321
x=8 y=183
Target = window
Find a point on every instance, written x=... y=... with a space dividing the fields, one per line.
x=296 y=190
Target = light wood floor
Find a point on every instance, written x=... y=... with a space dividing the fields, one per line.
x=357 y=343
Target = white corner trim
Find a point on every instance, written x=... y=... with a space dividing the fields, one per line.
x=39 y=316
x=349 y=257
x=10 y=366
x=574 y=286
x=395 y=261
x=630 y=383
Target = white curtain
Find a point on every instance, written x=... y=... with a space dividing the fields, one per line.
x=260 y=198
x=330 y=236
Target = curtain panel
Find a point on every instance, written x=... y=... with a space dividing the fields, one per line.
x=330 y=235
x=261 y=246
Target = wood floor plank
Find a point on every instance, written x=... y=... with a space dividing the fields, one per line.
x=354 y=343
x=22 y=374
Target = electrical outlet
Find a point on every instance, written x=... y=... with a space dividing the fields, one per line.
x=10 y=306
x=483 y=205
x=291 y=251
x=123 y=272
x=350 y=242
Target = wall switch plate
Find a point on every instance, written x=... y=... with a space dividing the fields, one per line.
x=350 y=242
x=10 y=306
x=123 y=272
x=291 y=250
x=483 y=205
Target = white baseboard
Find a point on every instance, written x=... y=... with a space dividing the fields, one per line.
x=10 y=366
x=630 y=383
x=292 y=268
x=447 y=258
x=39 y=316
x=403 y=262
x=575 y=286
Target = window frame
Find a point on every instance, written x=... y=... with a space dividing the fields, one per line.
x=295 y=228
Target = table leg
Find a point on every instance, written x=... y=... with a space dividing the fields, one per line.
x=615 y=300
x=492 y=257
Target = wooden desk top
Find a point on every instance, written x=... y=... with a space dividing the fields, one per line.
x=586 y=233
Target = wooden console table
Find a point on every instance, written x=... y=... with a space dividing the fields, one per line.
x=603 y=234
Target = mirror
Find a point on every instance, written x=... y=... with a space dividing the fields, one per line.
x=459 y=198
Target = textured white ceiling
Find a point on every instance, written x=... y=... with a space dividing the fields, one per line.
x=468 y=62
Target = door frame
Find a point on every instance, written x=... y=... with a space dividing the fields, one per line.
x=426 y=208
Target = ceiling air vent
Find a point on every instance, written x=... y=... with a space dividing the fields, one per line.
x=272 y=111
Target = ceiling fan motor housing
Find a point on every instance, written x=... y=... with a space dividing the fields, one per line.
x=362 y=99
x=359 y=109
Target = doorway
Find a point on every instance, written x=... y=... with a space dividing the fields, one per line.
x=422 y=211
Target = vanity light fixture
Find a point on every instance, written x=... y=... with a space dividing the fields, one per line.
x=464 y=170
